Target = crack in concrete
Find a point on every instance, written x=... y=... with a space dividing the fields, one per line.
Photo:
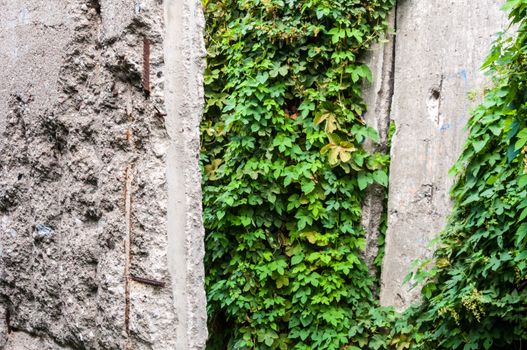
x=373 y=206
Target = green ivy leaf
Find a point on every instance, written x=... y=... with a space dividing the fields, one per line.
x=297 y=259
x=520 y=235
x=381 y=177
x=363 y=179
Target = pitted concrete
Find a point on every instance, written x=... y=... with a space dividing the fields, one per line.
x=25 y=341
x=440 y=47
x=85 y=248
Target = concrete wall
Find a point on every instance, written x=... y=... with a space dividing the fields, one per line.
x=100 y=215
x=439 y=48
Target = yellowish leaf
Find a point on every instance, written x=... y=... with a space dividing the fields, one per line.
x=282 y=281
x=345 y=156
x=333 y=156
x=311 y=237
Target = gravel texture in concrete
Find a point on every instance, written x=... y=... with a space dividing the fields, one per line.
x=86 y=258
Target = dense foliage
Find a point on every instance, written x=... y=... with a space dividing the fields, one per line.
x=284 y=177
x=285 y=170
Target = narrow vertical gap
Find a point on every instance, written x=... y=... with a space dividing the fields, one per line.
x=392 y=70
x=8 y=320
x=375 y=199
x=390 y=128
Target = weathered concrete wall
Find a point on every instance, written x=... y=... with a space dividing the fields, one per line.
x=440 y=46
x=90 y=256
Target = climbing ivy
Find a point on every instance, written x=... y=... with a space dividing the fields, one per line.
x=476 y=295
x=284 y=174
x=285 y=171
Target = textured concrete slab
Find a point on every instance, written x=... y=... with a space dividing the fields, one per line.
x=86 y=255
x=440 y=46
x=4 y=328
x=24 y=341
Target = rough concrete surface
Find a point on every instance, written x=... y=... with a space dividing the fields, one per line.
x=440 y=46
x=84 y=201
x=24 y=341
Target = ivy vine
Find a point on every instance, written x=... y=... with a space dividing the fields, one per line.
x=476 y=295
x=285 y=173
x=285 y=170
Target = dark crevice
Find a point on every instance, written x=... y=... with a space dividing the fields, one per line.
x=390 y=129
x=435 y=94
x=378 y=195
x=8 y=320
x=392 y=73
x=96 y=5
x=146 y=66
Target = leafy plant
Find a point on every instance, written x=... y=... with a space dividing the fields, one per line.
x=285 y=172
x=475 y=297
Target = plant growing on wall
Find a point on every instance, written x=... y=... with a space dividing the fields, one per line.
x=476 y=295
x=284 y=174
x=285 y=171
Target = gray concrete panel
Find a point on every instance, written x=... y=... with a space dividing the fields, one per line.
x=440 y=46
